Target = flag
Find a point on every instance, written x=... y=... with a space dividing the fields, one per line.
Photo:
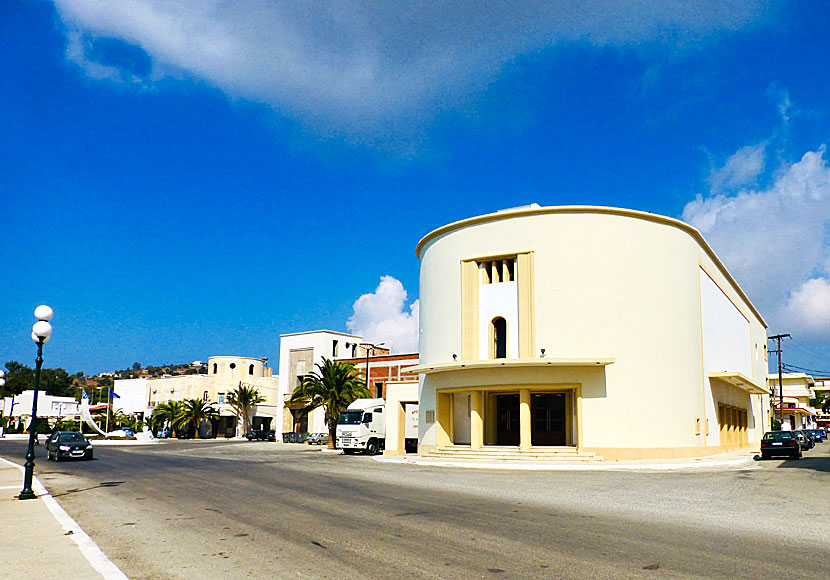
x=86 y=396
x=114 y=395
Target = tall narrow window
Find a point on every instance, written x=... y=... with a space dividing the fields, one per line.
x=251 y=370
x=499 y=338
x=215 y=368
x=333 y=348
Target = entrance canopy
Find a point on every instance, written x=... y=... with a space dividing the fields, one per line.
x=497 y=363
x=740 y=381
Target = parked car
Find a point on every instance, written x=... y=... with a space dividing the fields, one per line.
x=318 y=439
x=164 y=433
x=261 y=435
x=818 y=435
x=123 y=432
x=68 y=445
x=780 y=443
x=805 y=441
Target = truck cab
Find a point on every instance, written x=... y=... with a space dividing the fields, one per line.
x=362 y=427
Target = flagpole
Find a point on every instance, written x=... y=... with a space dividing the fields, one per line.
x=109 y=392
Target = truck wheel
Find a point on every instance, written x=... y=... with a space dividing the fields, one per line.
x=372 y=447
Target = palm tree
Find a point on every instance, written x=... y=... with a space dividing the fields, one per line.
x=335 y=384
x=242 y=401
x=169 y=412
x=195 y=411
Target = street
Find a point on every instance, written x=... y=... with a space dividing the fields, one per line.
x=209 y=509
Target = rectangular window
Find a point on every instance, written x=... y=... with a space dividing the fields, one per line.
x=221 y=397
x=496 y=271
x=205 y=396
x=334 y=348
x=378 y=390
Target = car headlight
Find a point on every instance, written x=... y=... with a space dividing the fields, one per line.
x=64 y=447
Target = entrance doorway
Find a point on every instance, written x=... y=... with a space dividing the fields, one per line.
x=507 y=409
x=547 y=412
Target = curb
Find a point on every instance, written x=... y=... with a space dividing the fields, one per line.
x=516 y=466
x=90 y=550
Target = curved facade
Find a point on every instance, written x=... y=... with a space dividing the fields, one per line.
x=613 y=331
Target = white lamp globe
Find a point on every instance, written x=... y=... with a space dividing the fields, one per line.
x=2 y=374
x=42 y=330
x=44 y=312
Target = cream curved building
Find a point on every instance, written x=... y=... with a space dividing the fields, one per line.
x=600 y=331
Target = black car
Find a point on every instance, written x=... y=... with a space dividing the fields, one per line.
x=808 y=438
x=261 y=435
x=68 y=445
x=780 y=443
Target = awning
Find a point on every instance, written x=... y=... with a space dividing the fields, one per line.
x=740 y=381
x=795 y=411
x=508 y=363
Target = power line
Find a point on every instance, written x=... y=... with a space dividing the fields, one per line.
x=806 y=370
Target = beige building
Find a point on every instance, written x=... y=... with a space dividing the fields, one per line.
x=224 y=375
x=798 y=413
x=592 y=330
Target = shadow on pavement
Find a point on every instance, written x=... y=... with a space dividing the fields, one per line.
x=99 y=486
x=807 y=462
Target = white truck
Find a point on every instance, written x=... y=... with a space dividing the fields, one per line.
x=362 y=427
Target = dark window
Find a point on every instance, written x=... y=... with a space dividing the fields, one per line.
x=251 y=370
x=233 y=366
x=215 y=368
x=205 y=396
x=333 y=348
x=499 y=337
x=378 y=390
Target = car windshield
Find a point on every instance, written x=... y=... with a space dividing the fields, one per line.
x=778 y=435
x=350 y=418
x=72 y=438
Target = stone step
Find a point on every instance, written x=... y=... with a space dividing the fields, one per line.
x=517 y=457
x=506 y=449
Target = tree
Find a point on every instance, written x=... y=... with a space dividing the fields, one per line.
x=195 y=411
x=242 y=401
x=136 y=366
x=335 y=384
x=169 y=412
x=54 y=381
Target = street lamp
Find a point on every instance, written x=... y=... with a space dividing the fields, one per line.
x=41 y=331
x=373 y=347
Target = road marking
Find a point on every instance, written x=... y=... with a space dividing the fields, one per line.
x=94 y=555
x=9 y=487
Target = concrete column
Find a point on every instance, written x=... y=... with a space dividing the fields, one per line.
x=476 y=419
x=524 y=419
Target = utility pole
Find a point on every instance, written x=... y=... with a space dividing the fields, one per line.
x=369 y=345
x=778 y=338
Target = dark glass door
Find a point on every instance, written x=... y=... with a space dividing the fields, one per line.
x=547 y=412
x=508 y=413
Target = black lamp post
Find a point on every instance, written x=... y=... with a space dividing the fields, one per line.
x=3 y=417
x=41 y=332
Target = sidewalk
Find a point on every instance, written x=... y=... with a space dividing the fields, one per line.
x=40 y=540
x=742 y=458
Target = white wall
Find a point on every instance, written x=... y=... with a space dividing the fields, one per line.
x=500 y=299
x=133 y=393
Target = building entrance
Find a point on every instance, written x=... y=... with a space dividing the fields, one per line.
x=507 y=408
x=547 y=412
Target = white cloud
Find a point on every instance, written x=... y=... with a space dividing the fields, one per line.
x=740 y=170
x=775 y=242
x=809 y=308
x=363 y=66
x=382 y=317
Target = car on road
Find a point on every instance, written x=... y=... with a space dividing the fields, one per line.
x=261 y=435
x=164 y=433
x=818 y=435
x=318 y=439
x=780 y=443
x=804 y=440
x=68 y=445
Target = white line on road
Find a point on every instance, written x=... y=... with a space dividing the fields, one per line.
x=94 y=555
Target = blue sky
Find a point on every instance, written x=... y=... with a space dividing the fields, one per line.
x=184 y=179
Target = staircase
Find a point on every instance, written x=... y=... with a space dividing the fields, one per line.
x=498 y=453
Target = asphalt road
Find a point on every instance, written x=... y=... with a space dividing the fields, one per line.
x=227 y=510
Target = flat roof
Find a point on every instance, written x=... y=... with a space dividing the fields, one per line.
x=534 y=209
x=321 y=332
x=742 y=382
